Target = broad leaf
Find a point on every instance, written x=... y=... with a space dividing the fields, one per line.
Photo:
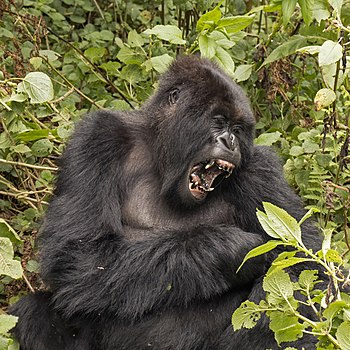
x=168 y=33
x=225 y=60
x=278 y=287
x=260 y=250
x=286 y=327
x=8 y=266
x=161 y=63
x=288 y=8
x=343 y=335
x=38 y=86
x=207 y=46
x=243 y=72
x=286 y=49
x=246 y=316
x=7 y=231
x=236 y=23
x=268 y=139
x=330 y=52
x=7 y=322
x=209 y=19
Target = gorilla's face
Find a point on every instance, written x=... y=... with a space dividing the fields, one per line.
x=204 y=129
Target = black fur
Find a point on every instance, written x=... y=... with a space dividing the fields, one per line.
x=131 y=260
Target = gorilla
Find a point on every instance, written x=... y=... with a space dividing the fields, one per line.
x=153 y=211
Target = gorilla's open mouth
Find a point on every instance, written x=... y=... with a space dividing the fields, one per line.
x=203 y=175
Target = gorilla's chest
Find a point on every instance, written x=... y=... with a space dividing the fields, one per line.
x=145 y=209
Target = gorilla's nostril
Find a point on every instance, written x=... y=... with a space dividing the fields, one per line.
x=226 y=140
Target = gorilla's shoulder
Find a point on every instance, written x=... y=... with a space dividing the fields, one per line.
x=265 y=155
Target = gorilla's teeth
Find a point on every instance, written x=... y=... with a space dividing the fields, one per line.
x=210 y=189
x=210 y=164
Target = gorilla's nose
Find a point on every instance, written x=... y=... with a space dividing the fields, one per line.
x=226 y=140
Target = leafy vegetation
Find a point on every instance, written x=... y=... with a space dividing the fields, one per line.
x=60 y=59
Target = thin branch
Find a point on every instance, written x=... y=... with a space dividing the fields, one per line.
x=28 y=165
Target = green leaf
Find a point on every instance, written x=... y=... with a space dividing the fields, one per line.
x=36 y=62
x=312 y=50
x=286 y=327
x=268 y=139
x=207 y=46
x=20 y=148
x=5 y=33
x=8 y=266
x=223 y=58
x=246 y=315
x=324 y=98
x=95 y=54
x=278 y=286
x=37 y=86
x=288 y=8
x=307 y=279
x=243 y=72
x=320 y=10
x=161 y=63
x=264 y=248
x=330 y=52
x=168 y=33
x=50 y=55
x=282 y=223
x=310 y=146
x=343 y=335
x=7 y=322
x=128 y=56
x=296 y=151
x=333 y=309
x=33 y=135
x=333 y=256
x=309 y=213
x=7 y=231
x=307 y=10
x=236 y=23
x=286 y=49
x=111 y=67
x=265 y=223
x=42 y=148
x=135 y=39
x=337 y=5
x=282 y=264
x=209 y=19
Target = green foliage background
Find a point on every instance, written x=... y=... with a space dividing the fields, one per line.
x=60 y=59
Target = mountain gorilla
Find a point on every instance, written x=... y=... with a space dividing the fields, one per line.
x=152 y=214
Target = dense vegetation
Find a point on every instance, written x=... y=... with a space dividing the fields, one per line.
x=60 y=59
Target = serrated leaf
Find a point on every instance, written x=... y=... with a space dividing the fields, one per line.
x=343 y=335
x=307 y=10
x=6 y=230
x=235 y=24
x=286 y=327
x=265 y=223
x=36 y=62
x=307 y=279
x=320 y=10
x=135 y=39
x=330 y=52
x=288 y=8
x=161 y=63
x=33 y=135
x=223 y=58
x=278 y=286
x=128 y=56
x=95 y=54
x=8 y=266
x=324 y=98
x=282 y=223
x=246 y=316
x=209 y=19
x=243 y=72
x=38 y=86
x=7 y=322
x=286 y=49
x=336 y=4
x=42 y=148
x=268 y=139
x=207 y=46
x=282 y=264
x=333 y=256
x=168 y=33
x=296 y=151
x=333 y=309
x=264 y=248
x=310 y=146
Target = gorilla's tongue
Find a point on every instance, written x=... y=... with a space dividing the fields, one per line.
x=202 y=176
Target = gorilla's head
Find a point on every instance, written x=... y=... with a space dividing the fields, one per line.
x=204 y=129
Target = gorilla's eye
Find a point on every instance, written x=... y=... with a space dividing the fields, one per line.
x=173 y=96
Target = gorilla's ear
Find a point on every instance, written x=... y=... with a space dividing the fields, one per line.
x=174 y=96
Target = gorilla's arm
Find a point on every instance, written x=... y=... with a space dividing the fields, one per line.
x=165 y=269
